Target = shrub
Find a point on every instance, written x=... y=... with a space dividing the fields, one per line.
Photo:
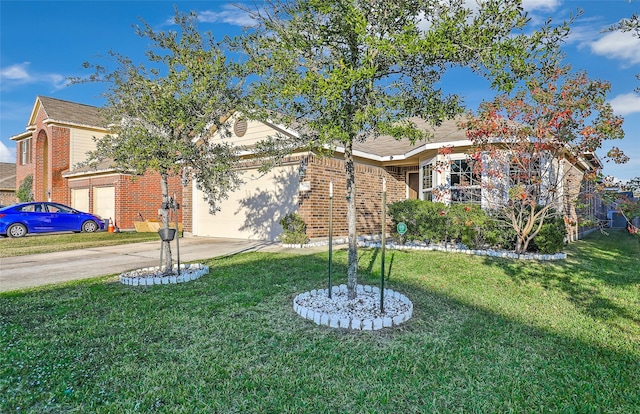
x=467 y=224
x=24 y=192
x=438 y=223
x=294 y=229
x=550 y=239
x=426 y=221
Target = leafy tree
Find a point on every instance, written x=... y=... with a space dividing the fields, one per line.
x=345 y=71
x=169 y=115
x=527 y=145
x=633 y=184
x=25 y=190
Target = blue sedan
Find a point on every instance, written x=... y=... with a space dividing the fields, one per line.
x=43 y=217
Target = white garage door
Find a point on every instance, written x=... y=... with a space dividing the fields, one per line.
x=80 y=199
x=253 y=211
x=104 y=202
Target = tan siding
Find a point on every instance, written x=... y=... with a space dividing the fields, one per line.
x=81 y=143
x=256 y=131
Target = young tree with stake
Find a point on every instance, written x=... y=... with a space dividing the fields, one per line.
x=346 y=71
x=169 y=115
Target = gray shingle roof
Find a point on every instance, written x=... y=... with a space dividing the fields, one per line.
x=72 y=112
x=7 y=176
x=385 y=146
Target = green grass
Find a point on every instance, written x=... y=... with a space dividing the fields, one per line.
x=47 y=243
x=488 y=335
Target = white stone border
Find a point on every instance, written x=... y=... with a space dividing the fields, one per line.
x=149 y=276
x=355 y=323
x=371 y=242
x=488 y=252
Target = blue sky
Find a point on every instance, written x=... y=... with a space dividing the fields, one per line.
x=42 y=43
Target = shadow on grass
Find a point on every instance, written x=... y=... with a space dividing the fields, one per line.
x=595 y=266
x=230 y=342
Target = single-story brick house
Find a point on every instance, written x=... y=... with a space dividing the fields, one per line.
x=301 y=184
x=58 y=136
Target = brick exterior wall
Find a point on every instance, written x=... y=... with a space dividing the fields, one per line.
x=43 y=146
x=314 y=205
x=59 y=150
x=187 y=208
x=143 y=197
x=134 y=198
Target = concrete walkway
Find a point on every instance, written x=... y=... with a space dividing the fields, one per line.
x=47 y=268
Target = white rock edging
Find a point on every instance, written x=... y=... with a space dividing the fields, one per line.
x=153 y=276
x=361 y=313
x=461 y=249
x=457 y=248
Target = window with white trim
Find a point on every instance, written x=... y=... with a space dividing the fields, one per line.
x=428 y=181
x=25 y=151
x=464 y=182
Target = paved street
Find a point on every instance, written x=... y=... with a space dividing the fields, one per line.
x=41 y=269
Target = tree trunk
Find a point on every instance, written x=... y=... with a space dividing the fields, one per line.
x=352 y=269
x=166 y=245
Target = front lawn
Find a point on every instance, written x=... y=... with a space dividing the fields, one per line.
x=58 y=242
x=488 y=335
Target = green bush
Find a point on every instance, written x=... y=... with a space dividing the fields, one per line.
x=469 y=224
x=426 y=221
x=550 y=239
x=294 y=229
x=24 y=192
x=438 y=223
x=498 y=233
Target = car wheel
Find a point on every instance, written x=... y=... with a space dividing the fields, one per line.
x=16 y=230
x=89 y=226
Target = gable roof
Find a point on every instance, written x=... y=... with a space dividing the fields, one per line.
x=66 y=112
x=387 y=146
x=7 y=176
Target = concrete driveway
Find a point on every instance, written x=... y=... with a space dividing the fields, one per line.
x=47 y=268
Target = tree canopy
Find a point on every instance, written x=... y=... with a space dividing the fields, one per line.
x=169 y=114
x=527 y=145
x=343 y=71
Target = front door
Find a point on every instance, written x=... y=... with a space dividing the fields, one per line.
x=413 y=182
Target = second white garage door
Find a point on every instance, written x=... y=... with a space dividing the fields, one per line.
x=253 y=211
x=104 y=202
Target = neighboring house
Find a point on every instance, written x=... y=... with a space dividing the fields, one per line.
x=7 y=183
x=615 y=219
x=57 y=138
x=301 y=184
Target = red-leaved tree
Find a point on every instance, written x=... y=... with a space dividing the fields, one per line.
x=535 y=147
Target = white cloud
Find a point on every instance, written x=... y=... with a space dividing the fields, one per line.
x=230 y=14
x=19 y=74
x=626 y=104
x=16 y=72
x=543 y=5
x=6 y=155
x=618 y=45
